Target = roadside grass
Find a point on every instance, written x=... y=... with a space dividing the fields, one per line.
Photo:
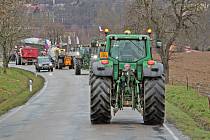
x=188 y=111
x=14 y=88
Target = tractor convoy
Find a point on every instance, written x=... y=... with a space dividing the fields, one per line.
x=122 y=73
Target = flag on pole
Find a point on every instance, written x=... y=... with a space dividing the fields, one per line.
x=100 y=29
x=47 y=44
x=77 y=40
x=69 y=40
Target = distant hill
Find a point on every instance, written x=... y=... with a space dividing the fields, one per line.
x=81 y=12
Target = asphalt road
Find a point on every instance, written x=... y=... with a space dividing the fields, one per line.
x=60 y=111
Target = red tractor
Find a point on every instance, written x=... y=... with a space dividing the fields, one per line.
x=26 y=55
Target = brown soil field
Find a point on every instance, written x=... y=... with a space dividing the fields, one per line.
x=194 y=65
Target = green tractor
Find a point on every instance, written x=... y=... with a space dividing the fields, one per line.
x=97 y=45
x=81 y=59
x=125 y=75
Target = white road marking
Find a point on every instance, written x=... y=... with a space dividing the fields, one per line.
x=171 y=132
x=10 y=114
x=37 y=95
x=50 y=74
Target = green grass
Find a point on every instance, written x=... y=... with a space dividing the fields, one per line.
x=14 y=89
x=188 y=111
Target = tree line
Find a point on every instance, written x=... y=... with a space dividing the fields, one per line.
x=13 y=27
x=173 y=21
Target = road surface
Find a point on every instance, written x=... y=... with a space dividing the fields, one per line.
x=60 y=111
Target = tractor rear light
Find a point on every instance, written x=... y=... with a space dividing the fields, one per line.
x=151 y=62
x=104 y=62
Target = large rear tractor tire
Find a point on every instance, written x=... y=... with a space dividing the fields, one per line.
x=78 y=67
x=91 y=76
x=71 y=67
x=16 y=61
x=38 y=70
x=22 y=63
x=100 y=100
x=19 y=61
x=59 y=66
x=154 y=101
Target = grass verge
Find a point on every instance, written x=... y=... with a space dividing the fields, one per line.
x=14 y=88
x=188 y=111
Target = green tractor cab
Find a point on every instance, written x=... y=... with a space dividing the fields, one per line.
x=81 y=58
x=97 y=46
x=125 y=75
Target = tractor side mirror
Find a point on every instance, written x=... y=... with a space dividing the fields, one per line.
x=159 y=44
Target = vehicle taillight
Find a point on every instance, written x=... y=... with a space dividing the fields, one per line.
x=151 y=62
x=104 y=62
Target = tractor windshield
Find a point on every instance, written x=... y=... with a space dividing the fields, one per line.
x=128 y=50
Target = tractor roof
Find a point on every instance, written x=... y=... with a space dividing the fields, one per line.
x=127 y=36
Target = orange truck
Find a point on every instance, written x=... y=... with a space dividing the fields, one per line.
x=68 y=61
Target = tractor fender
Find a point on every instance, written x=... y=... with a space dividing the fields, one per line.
x=99 y=69
x=156 y=70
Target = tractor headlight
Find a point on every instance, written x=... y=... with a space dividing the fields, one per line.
x=50 y=64
x=95 y=56
x=40 y=65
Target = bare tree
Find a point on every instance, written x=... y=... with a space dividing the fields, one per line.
x=12 y=27
x=167 y=18
x=109 y=17
x=199 y=37
x=53 y=31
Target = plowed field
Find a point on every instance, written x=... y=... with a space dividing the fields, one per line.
x=194 y=64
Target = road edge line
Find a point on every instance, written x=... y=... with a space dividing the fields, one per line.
x=171 y=132
x=37 y=95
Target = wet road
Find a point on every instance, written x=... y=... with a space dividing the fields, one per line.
x=61 y=112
